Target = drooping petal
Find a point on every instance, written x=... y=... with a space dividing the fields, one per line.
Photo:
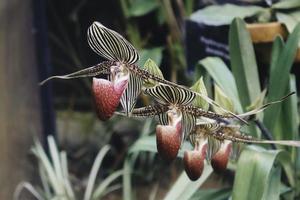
x=107 y=96
x=110 y=44
x=213 y=147
x=194 y=162
x=131 y=93
x=188 y=124
x=101 y=68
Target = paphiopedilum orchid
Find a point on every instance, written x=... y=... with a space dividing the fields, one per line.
x=177 y=115
x=122 y=58
x=219 y=140
x=212 y=135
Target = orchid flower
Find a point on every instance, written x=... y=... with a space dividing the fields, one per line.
x=121 y=64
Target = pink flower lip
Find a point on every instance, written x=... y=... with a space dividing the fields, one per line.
x=220 y=159
x=194 y=162
x=168 y=140
x=107 y=96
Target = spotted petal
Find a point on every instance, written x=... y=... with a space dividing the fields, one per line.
x=107 y=96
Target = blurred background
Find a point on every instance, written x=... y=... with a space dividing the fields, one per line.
x=41 y=38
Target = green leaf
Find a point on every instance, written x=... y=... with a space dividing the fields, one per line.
x=243 y=62
x=200 y=87
x=184 y=188
x=223 y=14
x=224 y=78
x=286 y=4
x=243 y=65
x=258 y=101
x=279 y=77
x=142 y=7
x=288 y=20
x=154 y=53
x=100 y=189
x=255 y=177
x=212 y=194
x=94 y=171
x=146 y=143
x=277 y=47
x=222 y=100
x=288 y=121
x=273 y=189
x=151 y=67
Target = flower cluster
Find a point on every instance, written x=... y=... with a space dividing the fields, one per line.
x=182 y=112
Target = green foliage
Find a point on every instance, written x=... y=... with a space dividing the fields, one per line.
x=55 y=176
x=200 y=88
x=223 y=14
x=259 y=171
x=154 y=54
x=224 y=78
x=284 y=11
x=279 y=74
x=184 y=188
x=222 y=100
x=142 y=7
x=243 y=62
x=213 y=194
x=262 y=172
x=151 y=67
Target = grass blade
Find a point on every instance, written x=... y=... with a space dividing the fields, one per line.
x=279 y=77
x=94 y=172
x=254 y=173
x=243 y=62
x=100 y=190
x=184 y=188
x=29 y=187
x=224 y=78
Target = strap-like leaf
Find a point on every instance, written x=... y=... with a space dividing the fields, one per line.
x=167 y=95
x=110 y=44
x=129 y=97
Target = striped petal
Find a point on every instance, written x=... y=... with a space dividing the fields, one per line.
x=188 y=124
x=110 y=44
x=129 y=97
x=166 y=94
x=163 y=119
